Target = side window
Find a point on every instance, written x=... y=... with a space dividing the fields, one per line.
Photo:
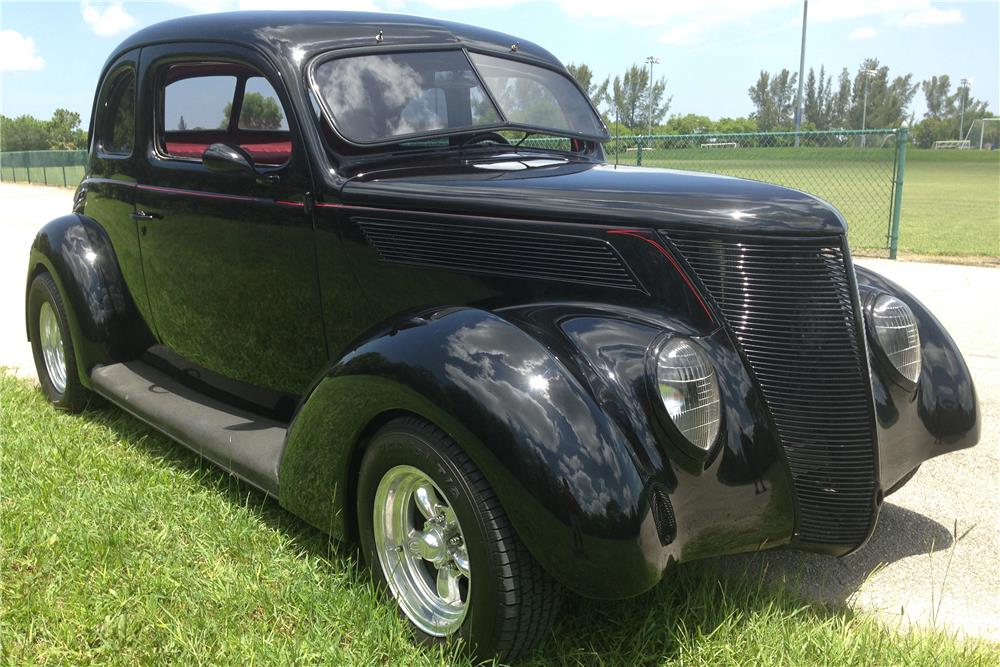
x=198 y=103
x=261 y=108
x=118 y=122
x=221 y=102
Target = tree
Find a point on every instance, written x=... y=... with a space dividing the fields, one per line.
x=841 y=101
x=773 y=97
x=259 y=112
x=941 y=103
x=887 y=100
x=64 y=131
x=944 y=110
x=27 y=133
x=636 y=103
x=597 y=92
x=821 y=108
x=689 y=124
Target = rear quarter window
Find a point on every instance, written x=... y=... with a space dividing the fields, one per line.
x=117 y=132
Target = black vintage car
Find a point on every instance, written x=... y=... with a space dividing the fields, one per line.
x=378 y=267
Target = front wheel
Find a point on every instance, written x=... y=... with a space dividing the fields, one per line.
x=434 y=534
x=52 y=346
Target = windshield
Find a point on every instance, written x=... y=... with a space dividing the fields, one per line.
x=393 y=96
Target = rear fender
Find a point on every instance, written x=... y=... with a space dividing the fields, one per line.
x=104 y=323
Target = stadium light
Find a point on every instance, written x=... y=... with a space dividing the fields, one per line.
x=964 y=83
x=802 y=67
x=652 y=60
x=868 y=74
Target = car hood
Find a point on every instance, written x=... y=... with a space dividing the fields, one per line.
x=526 y=186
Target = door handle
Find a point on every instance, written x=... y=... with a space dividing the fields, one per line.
x=145 y=215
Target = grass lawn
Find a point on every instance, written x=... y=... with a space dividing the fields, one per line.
x=951 y=203
x=120 y=547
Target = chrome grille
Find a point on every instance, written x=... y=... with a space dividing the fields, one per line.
x=789 y=304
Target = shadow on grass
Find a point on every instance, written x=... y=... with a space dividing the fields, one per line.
x=730 y=596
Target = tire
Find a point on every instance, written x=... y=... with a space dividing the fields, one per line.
x=509 y=601
x=52 y=346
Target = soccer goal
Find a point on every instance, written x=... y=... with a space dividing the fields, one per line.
x=953 y=144
x=986 y=131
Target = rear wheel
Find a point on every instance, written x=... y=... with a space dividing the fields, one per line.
x=52 y=347
x=435 y=536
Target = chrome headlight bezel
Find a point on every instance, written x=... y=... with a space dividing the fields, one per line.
x=876 y=340
x=664 y=418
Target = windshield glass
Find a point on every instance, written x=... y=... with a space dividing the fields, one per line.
x=392 y=96
x=535 y=96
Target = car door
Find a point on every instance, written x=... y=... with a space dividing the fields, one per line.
x=229 y=258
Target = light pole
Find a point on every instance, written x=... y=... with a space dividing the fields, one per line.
x=802 y=67
x=868 y=74
x=652 y=60
x=965 y=83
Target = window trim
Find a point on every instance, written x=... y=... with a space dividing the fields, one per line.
x=505 y=123
x=102 y=125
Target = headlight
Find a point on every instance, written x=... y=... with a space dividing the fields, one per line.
x=689 y=390
x=897 y=334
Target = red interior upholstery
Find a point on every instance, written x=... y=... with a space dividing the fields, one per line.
x=262 y=152
x=270 y=148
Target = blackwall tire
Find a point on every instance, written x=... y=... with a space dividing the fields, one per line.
x=506 y=601
x=52 y=346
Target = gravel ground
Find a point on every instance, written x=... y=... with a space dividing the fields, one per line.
x=912 y=571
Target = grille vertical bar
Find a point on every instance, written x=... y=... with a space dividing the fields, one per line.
x=789 y=303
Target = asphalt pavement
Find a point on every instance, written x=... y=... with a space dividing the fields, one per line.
x=912 y=571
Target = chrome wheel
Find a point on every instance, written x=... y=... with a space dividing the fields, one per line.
x=53 y=349
x=421 y=550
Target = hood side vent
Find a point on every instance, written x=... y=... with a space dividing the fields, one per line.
x=515 y=253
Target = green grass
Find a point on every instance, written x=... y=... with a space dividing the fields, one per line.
x=951 y=199
x=120 y=547
x=951 y=203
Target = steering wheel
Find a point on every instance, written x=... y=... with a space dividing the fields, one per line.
x=495 y=137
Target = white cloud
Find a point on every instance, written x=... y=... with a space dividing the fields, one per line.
x=932 y=16
x=106 y=20
x=17 y=52
x=864 y=32
x=687 y=33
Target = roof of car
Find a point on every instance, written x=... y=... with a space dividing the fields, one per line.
x=300 y=34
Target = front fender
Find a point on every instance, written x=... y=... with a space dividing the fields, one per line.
x=104 y=323
x=563 y=470
x=941 y=415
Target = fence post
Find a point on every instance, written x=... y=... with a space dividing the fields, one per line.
x=638 y=151
x=64 y=176
x=902 y=138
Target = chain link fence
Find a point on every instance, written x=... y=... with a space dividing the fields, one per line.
x=62 y=168
x=859 y=172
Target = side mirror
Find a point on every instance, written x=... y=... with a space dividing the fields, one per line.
x=226 y=159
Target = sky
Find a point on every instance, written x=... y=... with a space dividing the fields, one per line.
x=710 y=51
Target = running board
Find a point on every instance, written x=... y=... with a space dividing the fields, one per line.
x=242 y=443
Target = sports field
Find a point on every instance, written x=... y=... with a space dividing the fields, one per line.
x=951 y=199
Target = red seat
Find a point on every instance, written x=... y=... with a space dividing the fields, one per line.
x=268 y=152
